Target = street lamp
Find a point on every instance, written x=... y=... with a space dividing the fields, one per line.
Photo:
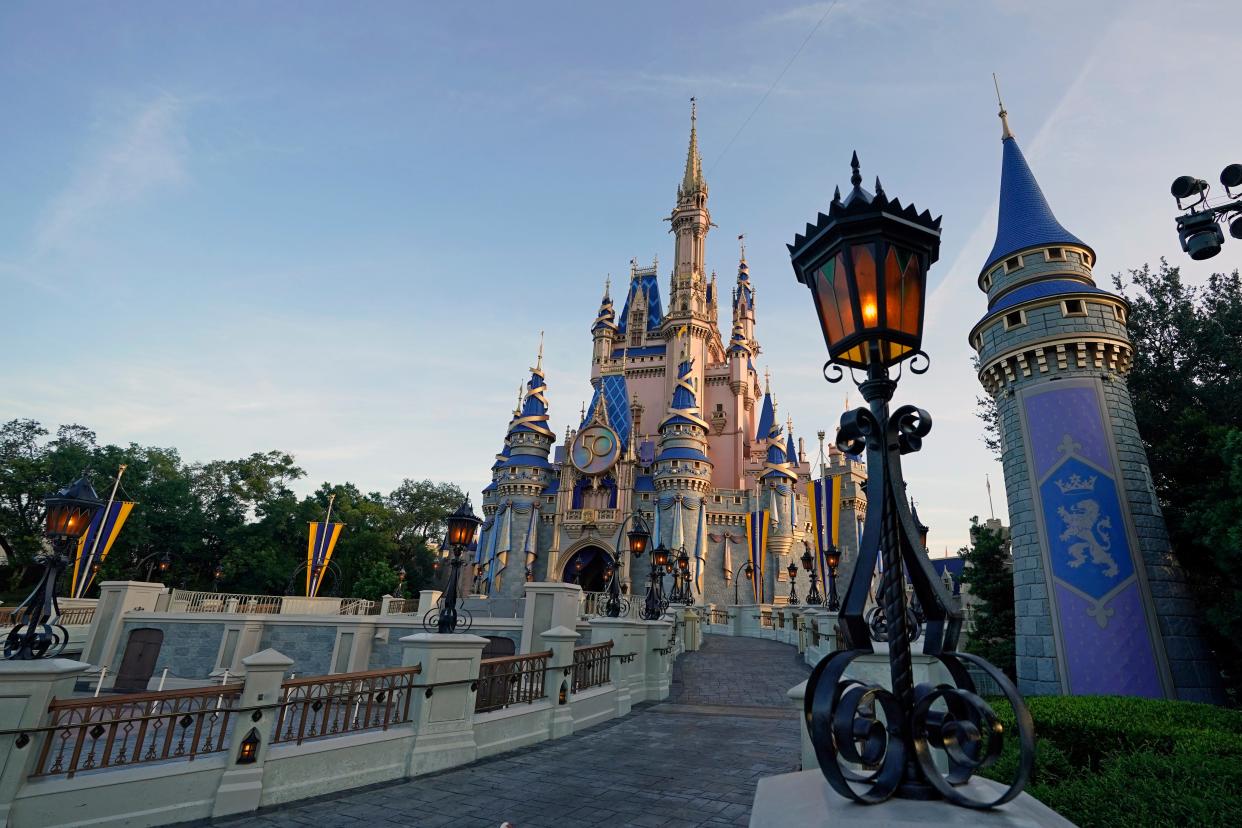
x=462 y=525
x=866 y=264
x=217 y=575
x=1198 y=229
x=833 y=557
x=399 y=592
x=655 y=603
x=36 y=633
x=749 y=571
x=636 y=541
x=793 y=584
x=682 y=593
x=813 y=597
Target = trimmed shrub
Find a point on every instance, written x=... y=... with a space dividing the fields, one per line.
x=1106 y=760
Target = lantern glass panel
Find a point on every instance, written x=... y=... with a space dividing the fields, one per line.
x=638 y=542
x=912 y=298
x=841 y=287
x=868 y=292
x=826 y=300
x=792 y=570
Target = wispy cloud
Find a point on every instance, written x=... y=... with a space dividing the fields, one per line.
x=147 y=152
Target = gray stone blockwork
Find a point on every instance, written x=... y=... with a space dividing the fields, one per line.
x=189 y=650
x=309 y=646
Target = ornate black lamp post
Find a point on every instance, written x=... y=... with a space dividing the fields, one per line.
x=461 y=528
x=866 y=264
x=813 y=597
x=834 y=560
x=636 y=540
x=217 y=575
x=36 y=633
x=749 y=571
x=793 y=584
x=655 y=603
x=682 y=593
x=399 y=592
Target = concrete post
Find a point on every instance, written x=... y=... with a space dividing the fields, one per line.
x=241 y=786
x=657 y=672
x=797 y=697
x=693 y=635
x=548 y=605
x=427 y=599
x=26 y=689
x=558 y=681
x=747 y=620
x=115 y=599
x=622 y=632
x=443 y=714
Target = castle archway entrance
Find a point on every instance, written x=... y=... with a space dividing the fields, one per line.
x=586 y=568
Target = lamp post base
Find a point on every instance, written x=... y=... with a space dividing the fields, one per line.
x=805 y=800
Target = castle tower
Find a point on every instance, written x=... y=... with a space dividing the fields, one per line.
x=1102 y=605
x=604 y=333
x=510 y=545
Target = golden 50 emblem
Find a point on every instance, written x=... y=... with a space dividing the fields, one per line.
x=595 y=449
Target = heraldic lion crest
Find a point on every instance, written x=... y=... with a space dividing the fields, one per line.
x=1083 y=521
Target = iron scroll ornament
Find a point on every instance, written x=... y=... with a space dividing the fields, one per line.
x=872 y=742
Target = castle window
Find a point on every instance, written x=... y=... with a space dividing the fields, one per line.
x=978 y=342
x=646 y=497
x=737 y=501
x=716 y=499
x=987 y=281
x=1073 y=307
x=1013 y=263
x=1120 y=313
x=720 y=406
x=1055 y=254
x=1015 y=319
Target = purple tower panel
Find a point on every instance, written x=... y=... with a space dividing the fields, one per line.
x=1104 y=636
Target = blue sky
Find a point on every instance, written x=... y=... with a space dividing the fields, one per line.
x=337 y=229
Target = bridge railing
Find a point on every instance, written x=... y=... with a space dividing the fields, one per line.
x=510 y=680
x=591 y=665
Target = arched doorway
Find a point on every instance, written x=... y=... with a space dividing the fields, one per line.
x=590 y=576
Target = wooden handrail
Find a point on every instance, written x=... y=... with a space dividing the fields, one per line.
x=417 y=669
x=152 y=695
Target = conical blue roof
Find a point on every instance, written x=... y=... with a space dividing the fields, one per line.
x=791 y=451
x=1025 y=219
x=767 y=418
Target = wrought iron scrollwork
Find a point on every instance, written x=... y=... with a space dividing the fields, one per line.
x=873 y=742
x=833 y=377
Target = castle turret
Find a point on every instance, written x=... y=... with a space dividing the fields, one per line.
x=688 y=300
x=604 y=333
x=1101 y=603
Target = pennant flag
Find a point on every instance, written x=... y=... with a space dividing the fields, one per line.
x=825 y=496
x=323 y=538
x=757 y=542
x=93 y=547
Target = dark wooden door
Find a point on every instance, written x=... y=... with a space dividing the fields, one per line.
x=138 y=663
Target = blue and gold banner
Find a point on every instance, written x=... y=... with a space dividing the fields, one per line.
x=757 y=542
x=824 y=497
x=93 y=547
x=323 y=538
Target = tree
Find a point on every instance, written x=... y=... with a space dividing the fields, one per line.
x=989 y=575
x=1186 y=383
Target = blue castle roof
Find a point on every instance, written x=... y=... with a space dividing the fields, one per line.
x=649 y=285
x=1025 y=218
x=681 y=453
x=791 y=451
x=535 y=408
x=767 y=418
x=616 y=405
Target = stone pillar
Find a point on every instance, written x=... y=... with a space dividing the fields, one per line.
x=115 y=599
x=797 y=697
x=241 y=786
x=693 y=635
x=548 y=605
x=443 y=715
x=558 y=681
x=427 y=599
x=657 y=669
x=26 y=688
x=622 y=633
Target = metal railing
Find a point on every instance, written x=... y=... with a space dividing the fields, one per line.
x=719 y=616
x=75 y=617
x=591 y=665
x=93 y=734
x=183 y=600
x=765 y=619
x=320 y=706
x=398 y=606
x=510 y=680
x=593 y=604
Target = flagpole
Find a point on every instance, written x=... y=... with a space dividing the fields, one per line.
x=323 y=549
x=102 y=520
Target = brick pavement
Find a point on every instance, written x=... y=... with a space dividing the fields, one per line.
x=692 y=761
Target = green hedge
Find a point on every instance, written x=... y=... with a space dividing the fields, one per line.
x=1108 y=760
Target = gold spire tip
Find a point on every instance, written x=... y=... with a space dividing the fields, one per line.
x=539 y=358
x=1004 y=116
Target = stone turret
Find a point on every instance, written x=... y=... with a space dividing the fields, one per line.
x=1102 y=605
x=604 y=333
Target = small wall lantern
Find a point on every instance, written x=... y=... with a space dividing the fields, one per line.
x=249 y=752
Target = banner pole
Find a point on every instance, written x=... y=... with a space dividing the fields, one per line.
x=86 y=582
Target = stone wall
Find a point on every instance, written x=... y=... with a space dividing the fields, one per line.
x=190 y=649
x=310 y=646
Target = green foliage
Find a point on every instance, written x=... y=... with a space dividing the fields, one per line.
x=1186 y=384
x=239 y=514
x=989 y=575
x=1120 y=761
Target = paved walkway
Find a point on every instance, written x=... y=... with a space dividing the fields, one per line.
x=691 y=761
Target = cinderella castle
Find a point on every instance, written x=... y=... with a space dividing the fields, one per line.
x=681 y=429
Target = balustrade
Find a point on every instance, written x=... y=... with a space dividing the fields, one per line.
x=591 y=665
x=93 y=734
x=320 y=706
x=510 y=680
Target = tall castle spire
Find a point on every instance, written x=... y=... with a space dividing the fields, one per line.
x=692 y=182
x=690 y=219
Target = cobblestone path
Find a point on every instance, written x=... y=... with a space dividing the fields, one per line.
x=693 y=760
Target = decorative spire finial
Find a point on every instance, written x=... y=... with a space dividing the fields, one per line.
x=855 y=176
x=836 y=193
x=1004 y=116
x=539 y=358
x=693 y=178
x=607 y=284
x=741 y=243
x=767 y=380
x=879 y=188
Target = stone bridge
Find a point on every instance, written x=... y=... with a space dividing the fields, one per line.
x=691 y=760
